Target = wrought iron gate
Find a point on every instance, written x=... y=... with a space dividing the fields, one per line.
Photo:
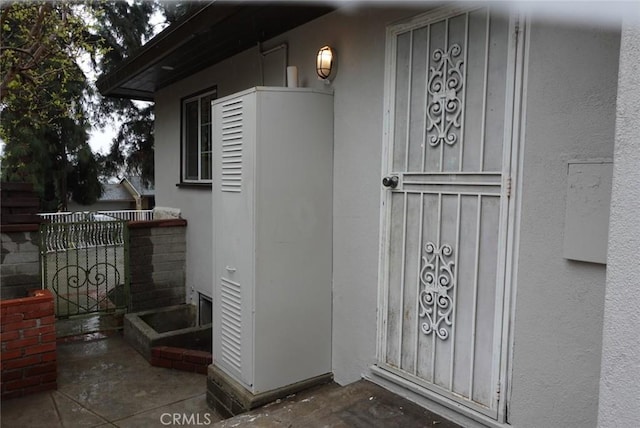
x=85 y=264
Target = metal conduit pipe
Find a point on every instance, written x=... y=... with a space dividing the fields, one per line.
x=262 y=53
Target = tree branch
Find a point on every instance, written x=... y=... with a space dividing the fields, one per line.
x=35 y=52
x=20 y=50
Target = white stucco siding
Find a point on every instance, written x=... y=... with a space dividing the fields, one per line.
x=570 y=114
x=619 y=404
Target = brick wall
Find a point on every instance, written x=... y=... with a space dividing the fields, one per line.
x=181 y=359
x=158 y=255
x=19 y=260
x=28 y=336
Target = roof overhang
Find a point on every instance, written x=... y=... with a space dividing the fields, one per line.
x=210 y=34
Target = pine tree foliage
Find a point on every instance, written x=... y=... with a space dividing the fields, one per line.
x=132 y=148
x=43 y=119
x=48 y=104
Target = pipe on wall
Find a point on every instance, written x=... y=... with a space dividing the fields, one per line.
x=262 y=53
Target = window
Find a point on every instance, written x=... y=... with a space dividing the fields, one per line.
x=196 y=137
x=205 y=310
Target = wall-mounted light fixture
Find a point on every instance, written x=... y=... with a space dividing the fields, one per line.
x=325 y=63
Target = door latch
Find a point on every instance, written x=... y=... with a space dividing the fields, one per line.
x=390 y=182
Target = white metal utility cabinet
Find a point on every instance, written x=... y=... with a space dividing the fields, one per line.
x=272 y=209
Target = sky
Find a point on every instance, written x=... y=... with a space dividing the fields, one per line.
x=100 y=139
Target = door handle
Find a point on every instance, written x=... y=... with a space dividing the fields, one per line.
x=230 y=269
x=390 y=182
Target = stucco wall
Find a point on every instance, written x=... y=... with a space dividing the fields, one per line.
x=570 y=114
x=619 y=387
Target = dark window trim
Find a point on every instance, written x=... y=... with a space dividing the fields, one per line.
x=181 y=182
x=189 y=185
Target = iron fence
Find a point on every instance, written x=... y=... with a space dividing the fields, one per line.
x=85 y=264
x=128 y=215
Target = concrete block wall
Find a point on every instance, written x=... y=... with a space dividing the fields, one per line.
x=19 y=260
x=158 y=259
x=28 y=351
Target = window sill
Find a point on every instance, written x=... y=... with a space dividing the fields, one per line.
x=184 y=185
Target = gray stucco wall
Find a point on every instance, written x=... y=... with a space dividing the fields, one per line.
x=619 y=385
x=570 y=114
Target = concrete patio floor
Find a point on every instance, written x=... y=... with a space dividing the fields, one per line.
x=106 y=383
x=360 y=404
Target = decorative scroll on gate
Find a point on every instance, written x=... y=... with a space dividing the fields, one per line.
x=438 y=279
x=445 y=83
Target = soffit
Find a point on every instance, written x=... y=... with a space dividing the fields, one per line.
x=212 y=33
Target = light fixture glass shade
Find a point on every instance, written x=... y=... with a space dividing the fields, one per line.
x=324 y=62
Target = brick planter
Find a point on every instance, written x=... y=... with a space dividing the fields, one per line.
x=181 y=359
x=29 y=357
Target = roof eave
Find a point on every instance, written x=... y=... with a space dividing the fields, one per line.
x=163 y=44
x=152 y=68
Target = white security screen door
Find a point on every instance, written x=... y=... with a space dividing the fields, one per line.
x=450 y=88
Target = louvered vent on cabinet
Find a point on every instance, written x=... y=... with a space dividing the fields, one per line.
x=231 y=300
x=232 y=141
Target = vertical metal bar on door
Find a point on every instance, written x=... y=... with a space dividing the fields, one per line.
x=484 y=89
x=475 y=299
x=444 y=74
x=436 y=268
x=426 y=98
x=420 y=240
x=464 y=88
x=404 y=250
x=455 y=293
x=409 y=91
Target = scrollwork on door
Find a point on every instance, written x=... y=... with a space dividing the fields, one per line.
x=445 y=84
x=438 y=280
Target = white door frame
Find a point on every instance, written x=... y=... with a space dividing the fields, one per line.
x=512 y=161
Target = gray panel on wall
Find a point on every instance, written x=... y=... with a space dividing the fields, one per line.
x=586 y=223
